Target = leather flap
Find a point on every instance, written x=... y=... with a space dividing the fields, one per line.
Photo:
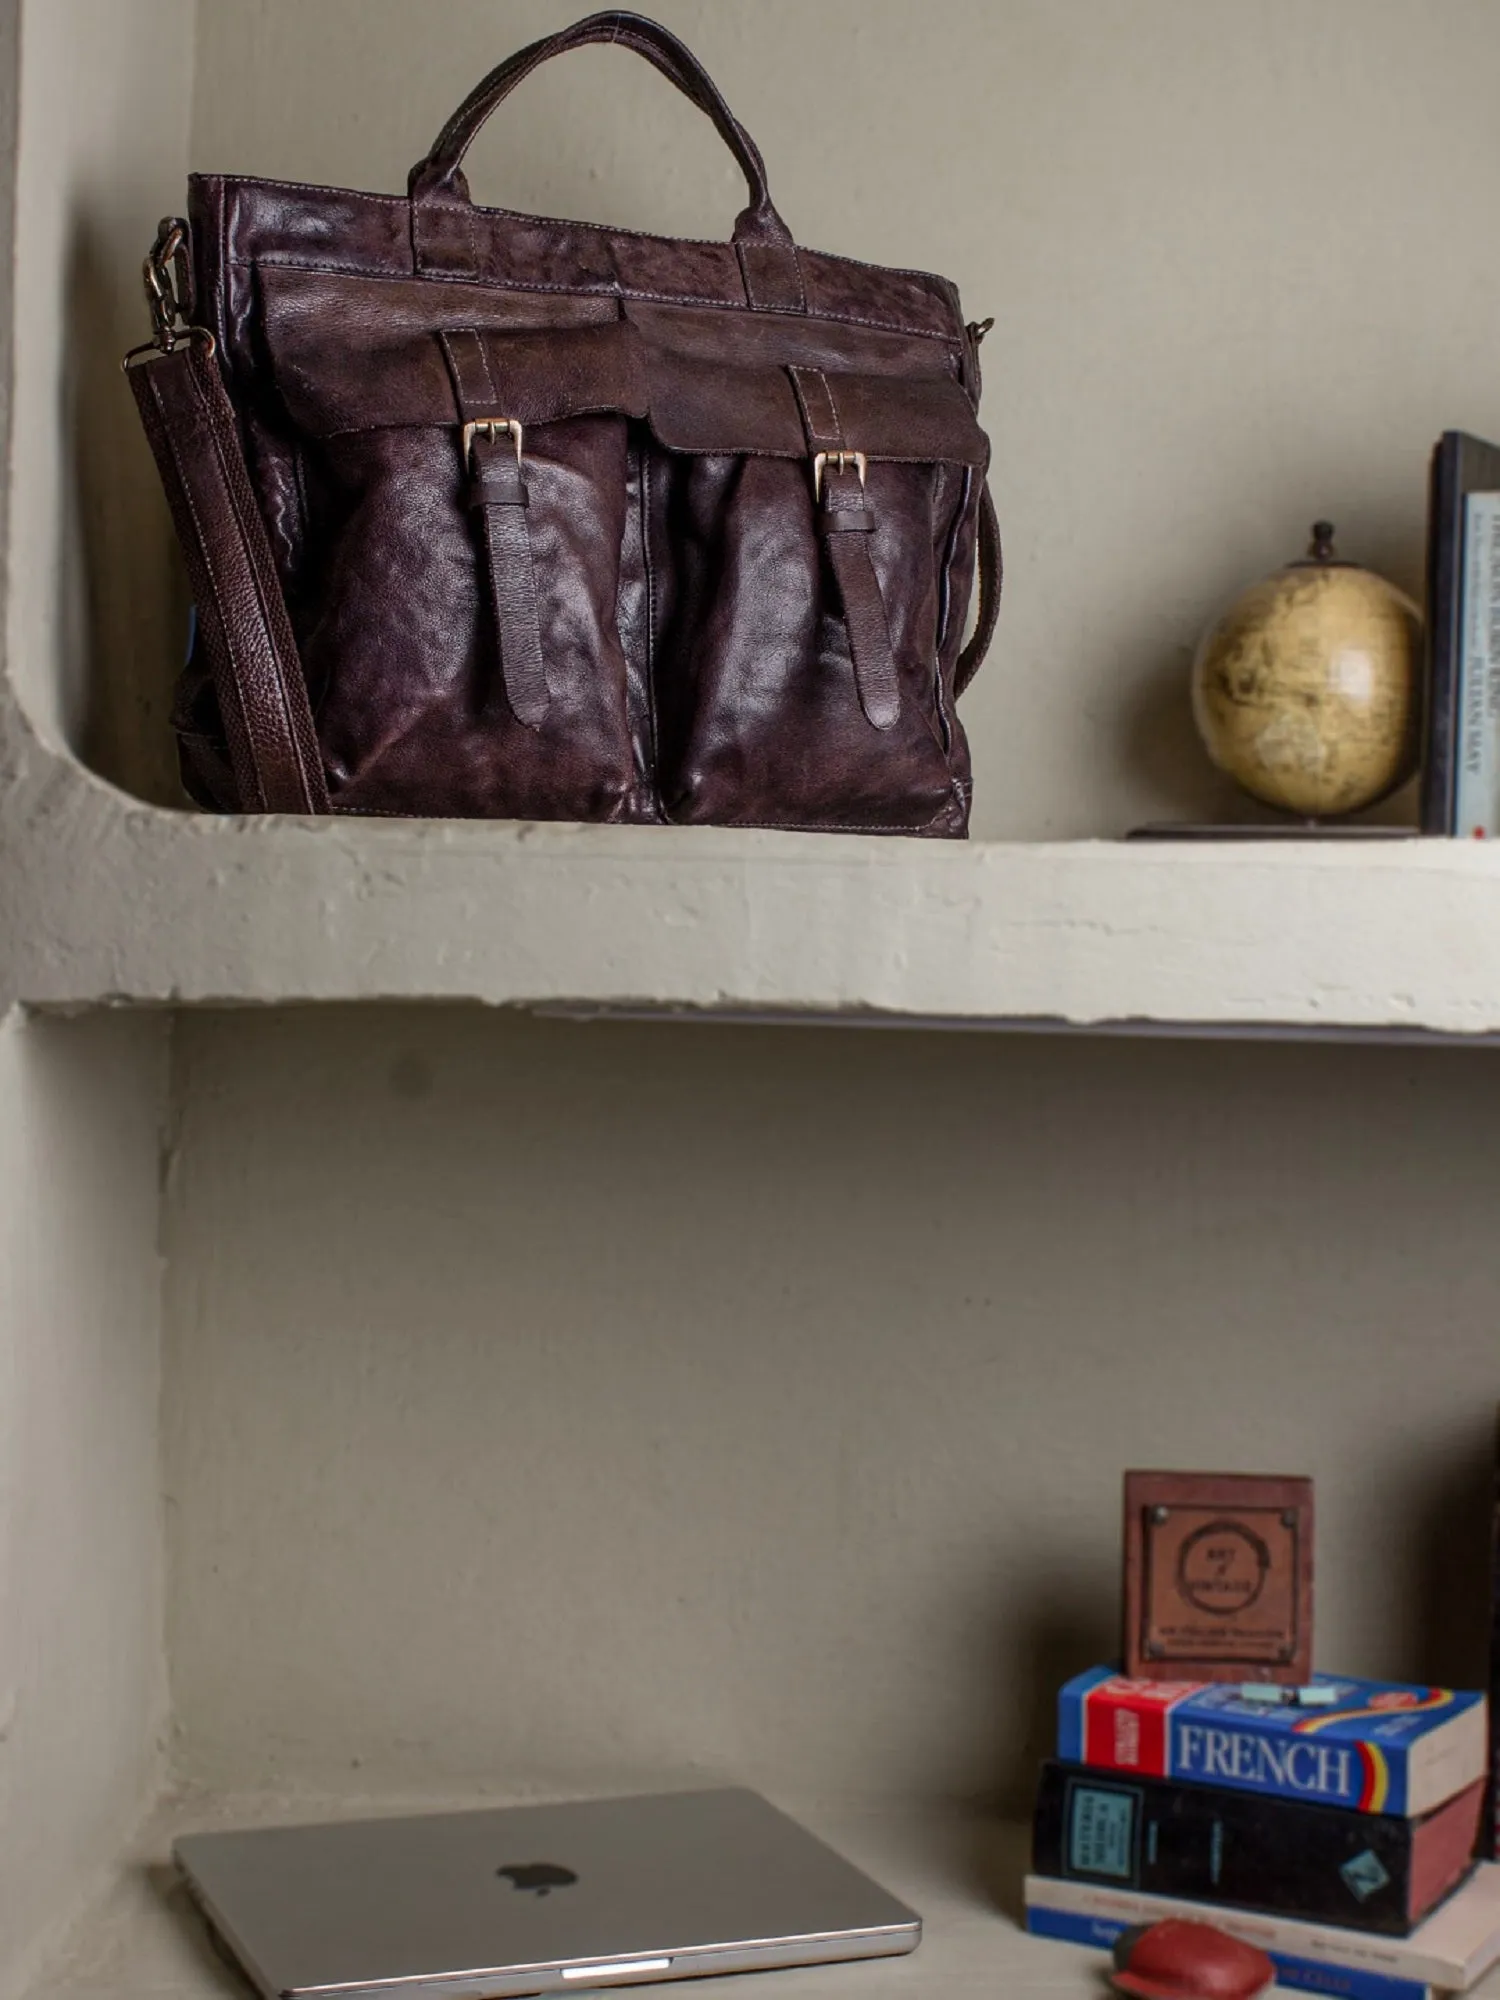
x=702 y=406
x=356 y=356
x=535 y=376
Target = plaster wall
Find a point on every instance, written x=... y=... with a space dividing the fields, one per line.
x=1231 y=250
x=96 y=614
x=82 y=1676
x=557 y=1407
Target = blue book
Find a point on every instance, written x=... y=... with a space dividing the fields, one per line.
x=1306 y=1975
x=1381 y=1747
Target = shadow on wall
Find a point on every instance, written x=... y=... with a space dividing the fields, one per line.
x=1065 y=1623
x=1447 y=1593
x=126 y=599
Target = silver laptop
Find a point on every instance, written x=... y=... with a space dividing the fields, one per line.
x=481 y=1905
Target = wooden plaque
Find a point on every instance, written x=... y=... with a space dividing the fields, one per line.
x=1218 y=1577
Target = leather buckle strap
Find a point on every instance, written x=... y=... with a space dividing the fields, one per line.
x=493 y=448
x=846 y=521
x=498 y=492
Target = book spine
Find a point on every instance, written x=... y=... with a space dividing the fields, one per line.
x=1319 y=1864
x=1444 y=584
x=1112 y=1725
x=1476 y=812
x=1304 y=1975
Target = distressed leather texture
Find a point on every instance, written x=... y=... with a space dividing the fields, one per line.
x=569 y=522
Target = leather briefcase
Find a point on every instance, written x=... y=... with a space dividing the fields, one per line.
x=491 y=516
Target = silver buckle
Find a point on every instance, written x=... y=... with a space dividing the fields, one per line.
x=491 y=428
x=840 y=460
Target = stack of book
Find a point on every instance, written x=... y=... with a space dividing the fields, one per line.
x=1334 y=1828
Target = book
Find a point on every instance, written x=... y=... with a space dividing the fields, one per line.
x=1383 y=1747
x=1369 y=1871
x=1304 y=1975
x=1452 y=1949
x=1461 y=723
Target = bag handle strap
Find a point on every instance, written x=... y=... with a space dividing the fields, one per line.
x=990 y=570
x=440 y=174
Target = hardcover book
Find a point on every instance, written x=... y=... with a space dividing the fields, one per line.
x=1382 y=1747
x=1302 y=1975
x=1370 y=1871
x=1452 y=1949
x=1461 y=749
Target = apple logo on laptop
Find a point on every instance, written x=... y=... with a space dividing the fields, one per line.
x=537 y=1876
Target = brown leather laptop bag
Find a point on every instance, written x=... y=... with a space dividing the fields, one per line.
x=486 y=515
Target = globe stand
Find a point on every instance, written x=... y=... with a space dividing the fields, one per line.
x=1306 y=693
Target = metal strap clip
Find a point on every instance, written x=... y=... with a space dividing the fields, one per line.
x=168 y=279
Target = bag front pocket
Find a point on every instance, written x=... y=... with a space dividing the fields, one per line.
x=466 y=495
x=800 y=533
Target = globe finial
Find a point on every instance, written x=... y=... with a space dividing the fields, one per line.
x=1321 y=548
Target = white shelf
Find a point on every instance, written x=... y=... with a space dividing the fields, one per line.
x=145 y=1942
x=106 y=900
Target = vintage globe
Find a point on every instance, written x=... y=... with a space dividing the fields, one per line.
x=1307 y=691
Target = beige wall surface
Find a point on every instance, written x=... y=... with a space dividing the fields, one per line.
x=96 y=612
x=82 y=1673
x=1235 y=253
x=82 y=1679
x=558 y=1406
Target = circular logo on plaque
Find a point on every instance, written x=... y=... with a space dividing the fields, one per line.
x=1221 y=1569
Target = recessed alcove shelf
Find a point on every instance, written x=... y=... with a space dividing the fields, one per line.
x=827 y=1350
x=144 y=1941
x=960 y=1871
x=106 y=900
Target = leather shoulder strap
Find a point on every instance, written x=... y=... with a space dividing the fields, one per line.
x=191 y=428
x=991 y=572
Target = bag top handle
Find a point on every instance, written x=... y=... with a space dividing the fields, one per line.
x=441 y=172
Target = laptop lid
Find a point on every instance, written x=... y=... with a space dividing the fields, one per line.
x=528 y=1898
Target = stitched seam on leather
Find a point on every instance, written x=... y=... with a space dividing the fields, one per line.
x=560 y=417
x=816 y=434
x=945 y=572
x=822 y=825
x=925 y=279
x=729 y=449
x=745 y=253
x=258 y=582
x=484 y=362
x=221 y=303
x=686 y=826
x=457 y=343
x=612 y=291
x=650 y=570
x=801 y=282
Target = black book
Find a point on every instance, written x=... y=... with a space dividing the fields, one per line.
x=1251 y=1850
x=1461 y=465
